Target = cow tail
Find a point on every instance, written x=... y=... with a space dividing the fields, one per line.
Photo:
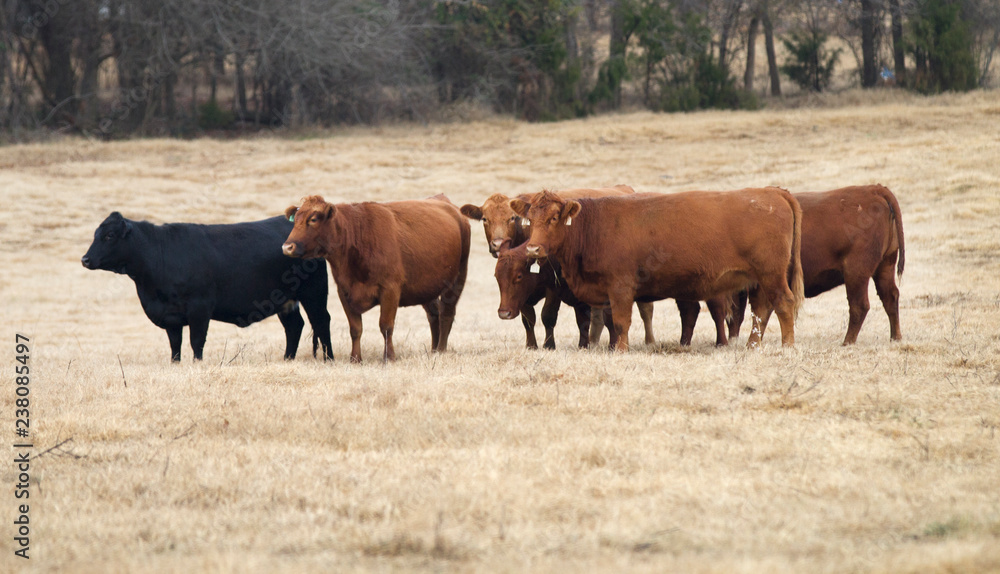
x=795 y=276
x=897 y=216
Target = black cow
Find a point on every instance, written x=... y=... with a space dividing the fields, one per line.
x=187 y=274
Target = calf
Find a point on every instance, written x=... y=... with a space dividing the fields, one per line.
x=849 y=237
x=391 y=254
x=690 y=246
x=522 y=286
x=187 y=274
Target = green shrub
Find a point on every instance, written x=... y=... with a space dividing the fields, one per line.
x=212 y=117
x=812 y=65
x=942 y=47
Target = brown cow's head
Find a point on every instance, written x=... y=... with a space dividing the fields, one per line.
x=499 y=221
x=515 y=279
x=549 y=215
x=310 y=220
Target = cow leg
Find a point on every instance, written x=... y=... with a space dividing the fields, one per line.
x=389 y=303
x=621 y=315
x=783 y=302
x=293 y=323
x=355 y=327
x=528 y=320
x=738 y=312
x=717 y=308
x=550 y=314
x=596 y=325
x=610 y=324
x=885 y=286
x=583 y=323
x=760 y=313
x=449 y=300
x=689 y=316
x=198 y=327
x=857 y=301
x=433 y=310
x=175 y=334
x=646 y=314
x=319 y=318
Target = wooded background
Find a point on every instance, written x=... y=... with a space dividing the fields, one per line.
x=111 y=68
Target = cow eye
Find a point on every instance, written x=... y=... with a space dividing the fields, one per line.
x=519 y=276
x=109 y=236
x=513 y=218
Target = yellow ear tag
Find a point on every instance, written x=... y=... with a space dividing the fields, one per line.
x=535 y=267
x=569 y=221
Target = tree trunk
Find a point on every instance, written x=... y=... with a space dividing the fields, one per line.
x=751 y=53
x=728 y=23
x=898 y=52
x=772 y=59
x=241 y=89
x=573 y=50
x=869 y=72
x=590 y=7
x=60 y=78
x=616 y=59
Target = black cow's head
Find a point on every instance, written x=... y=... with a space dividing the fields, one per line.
x=109 y=251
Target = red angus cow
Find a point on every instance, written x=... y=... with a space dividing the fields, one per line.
x=390 y=254
x=849 y=237
x=522 y=285
x=691 y=246
x=504 y=230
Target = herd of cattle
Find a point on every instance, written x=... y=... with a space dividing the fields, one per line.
x=597 y=250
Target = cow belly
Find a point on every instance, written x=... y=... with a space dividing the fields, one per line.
x=425 y=291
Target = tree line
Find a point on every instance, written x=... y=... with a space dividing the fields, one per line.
x=117 y=67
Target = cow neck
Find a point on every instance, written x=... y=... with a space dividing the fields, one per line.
x=344 y=232
x=570 y=254
x=147 y=260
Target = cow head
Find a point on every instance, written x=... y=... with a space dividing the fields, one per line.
x=310 y=220
x=110 y=250
x=515 y=279
x=502 y=225
x=549 y=215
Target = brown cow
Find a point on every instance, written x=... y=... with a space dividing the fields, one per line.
x=504 y=230
x=523 y=284
x=391 y=254
x=850 y=236
x=691 y=246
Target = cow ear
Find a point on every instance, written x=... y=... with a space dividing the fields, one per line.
x=290 y=213
x=126 y=228
x=520 y=207
x=330 y=210
x=571 y=209
x=472 y=212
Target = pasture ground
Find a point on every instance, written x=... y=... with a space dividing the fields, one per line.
x=879 y=457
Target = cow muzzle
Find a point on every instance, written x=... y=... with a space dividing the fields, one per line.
x=496 y=245
x=291 y=249
x=86 y=262
x=506 y=314
x=535 y=251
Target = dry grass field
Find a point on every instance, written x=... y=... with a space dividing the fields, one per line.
x=874 y=458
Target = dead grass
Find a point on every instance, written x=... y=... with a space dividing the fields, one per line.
x=880 y=457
